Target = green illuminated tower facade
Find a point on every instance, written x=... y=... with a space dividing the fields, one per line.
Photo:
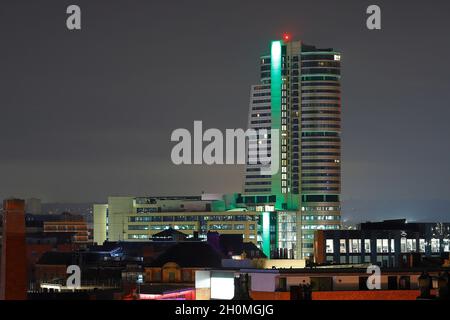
x=299 y=96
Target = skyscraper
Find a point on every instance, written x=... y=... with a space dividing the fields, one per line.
x=299 y=96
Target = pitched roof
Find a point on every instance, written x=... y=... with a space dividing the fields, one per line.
x=169 y=233
x=252 y=251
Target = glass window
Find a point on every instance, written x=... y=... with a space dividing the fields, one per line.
x=411 y=245
x=367 y=245
x=422 y=245
x=342 y=246
x=392 y=245
x=403 y=245
x=382 y=245
x=435 y=248
x=355 y=245
x=446 y=245
x=385 y=245
x=407 y=245
x=329 y=246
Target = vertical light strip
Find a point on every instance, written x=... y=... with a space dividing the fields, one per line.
x=275 y=104
x=266 y=233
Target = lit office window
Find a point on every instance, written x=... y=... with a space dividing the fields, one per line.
x=382 y=245
x=367 y=245
x=407 y=245
x=355 y=246
x=329 y=246
x=435 y=248
x=392 y=245
x=411 y=245
x=446 y=245
x=422 y=245
x=342 y=246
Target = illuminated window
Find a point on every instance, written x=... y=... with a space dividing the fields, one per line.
x=422 y=245
x=342 y=246
x=407 y=245
x=355 y=245
x=382 y=246
x=435 y=248
x=367 y=245
x=329 y=243
x=446 y=245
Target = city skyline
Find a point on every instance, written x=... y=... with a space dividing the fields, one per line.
x=96 y=110
x=212 y=158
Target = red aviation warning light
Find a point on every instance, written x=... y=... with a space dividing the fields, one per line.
x=286 y=37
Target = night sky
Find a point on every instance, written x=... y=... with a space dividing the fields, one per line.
x=88 y=114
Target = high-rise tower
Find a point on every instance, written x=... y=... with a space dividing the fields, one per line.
x=299 y=95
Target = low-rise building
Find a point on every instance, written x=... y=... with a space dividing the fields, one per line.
x=390 y=243
x=140 y=218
